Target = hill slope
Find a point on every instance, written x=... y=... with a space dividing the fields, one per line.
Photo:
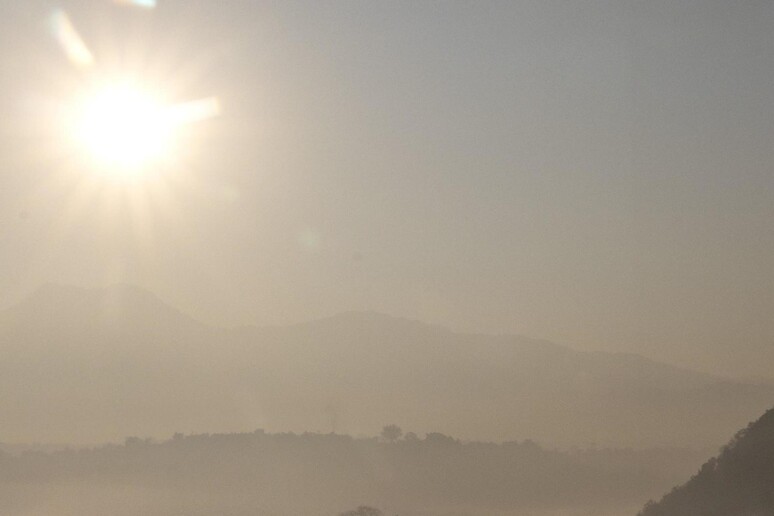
x=740 y=481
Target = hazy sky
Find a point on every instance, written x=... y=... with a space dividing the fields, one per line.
x=597 y=173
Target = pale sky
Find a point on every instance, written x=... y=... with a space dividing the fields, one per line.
x=597 y=173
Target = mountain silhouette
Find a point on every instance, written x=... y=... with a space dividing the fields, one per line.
x=89 y=365
x=739 y=481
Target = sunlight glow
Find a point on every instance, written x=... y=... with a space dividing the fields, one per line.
x=144 y=4
x=124 y=129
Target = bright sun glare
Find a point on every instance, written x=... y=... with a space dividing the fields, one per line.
x=124 y=129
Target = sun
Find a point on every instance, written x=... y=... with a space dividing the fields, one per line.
x=120 y=128
x=124 y=129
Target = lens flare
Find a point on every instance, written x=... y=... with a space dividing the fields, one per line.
x=71 y=42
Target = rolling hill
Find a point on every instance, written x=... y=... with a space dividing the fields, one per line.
x=94 y=365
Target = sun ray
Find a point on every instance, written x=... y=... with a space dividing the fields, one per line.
x=195 y=110
x=123 y=157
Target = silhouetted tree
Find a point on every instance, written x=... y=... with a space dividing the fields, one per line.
x=439 y=438
x=132 y=441
x=363 y=510
x=391 y=433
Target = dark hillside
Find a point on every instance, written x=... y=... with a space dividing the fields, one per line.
x=739 y=481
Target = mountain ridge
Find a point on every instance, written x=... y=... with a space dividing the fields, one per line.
x=354 y=371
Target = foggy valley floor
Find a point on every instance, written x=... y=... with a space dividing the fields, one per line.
x=325 y=474
x=317 y=474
